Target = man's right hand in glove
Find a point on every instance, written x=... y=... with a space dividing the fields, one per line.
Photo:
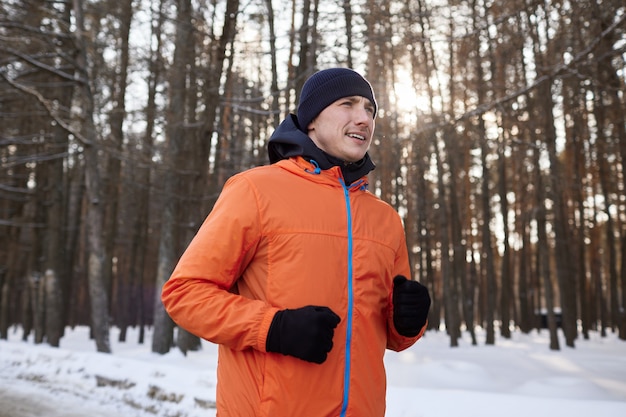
x=305 y=333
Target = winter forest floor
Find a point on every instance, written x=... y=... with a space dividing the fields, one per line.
x=515 y=378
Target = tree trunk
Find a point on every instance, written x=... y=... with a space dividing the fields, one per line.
x=74 y=205
x=141 y=224
x=506 y=296
x=460 y=276
x=54 y=314
x=306 y=55
x=95 y=209
x=540 y=123
x=451 y=299
x=112 y=183
x=485 y=192
x=275 y=105
x=187 y=342
x=162 y=339
x=565 y=275
x=604 y=180
x=487 y=249
x=543 y=253
x=37 y=302
x=612 y=97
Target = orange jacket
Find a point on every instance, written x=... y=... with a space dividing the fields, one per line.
x=286 y=236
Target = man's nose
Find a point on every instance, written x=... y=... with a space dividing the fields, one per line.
x=363 y=115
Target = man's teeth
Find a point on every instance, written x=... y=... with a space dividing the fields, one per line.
x=359 y=137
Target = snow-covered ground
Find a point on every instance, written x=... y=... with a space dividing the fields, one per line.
x=520 y=377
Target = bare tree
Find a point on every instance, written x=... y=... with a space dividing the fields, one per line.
x=95 y=207
x=111 y=179
x=162 y=339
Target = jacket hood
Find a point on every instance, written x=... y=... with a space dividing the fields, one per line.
x=289 y=141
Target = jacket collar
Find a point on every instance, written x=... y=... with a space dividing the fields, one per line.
x=311 y=171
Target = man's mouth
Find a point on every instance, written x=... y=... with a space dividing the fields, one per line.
x=356 y=136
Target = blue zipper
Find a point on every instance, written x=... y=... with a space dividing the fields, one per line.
x=346 y=374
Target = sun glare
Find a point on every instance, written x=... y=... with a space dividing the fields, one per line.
x=406 y=97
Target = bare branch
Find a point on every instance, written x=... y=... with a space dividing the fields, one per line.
x=552 y=74
x=50 y=107
x=40 y=64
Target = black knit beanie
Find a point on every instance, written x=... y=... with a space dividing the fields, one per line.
x=327 y=86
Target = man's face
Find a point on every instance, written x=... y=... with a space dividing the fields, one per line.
x=345 y=128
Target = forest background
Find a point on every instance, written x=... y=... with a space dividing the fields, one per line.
x=501 y=141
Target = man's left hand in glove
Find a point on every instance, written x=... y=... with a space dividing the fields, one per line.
x=411 y=303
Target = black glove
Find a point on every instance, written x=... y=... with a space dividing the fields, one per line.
x=410 y=306
x=306 y=333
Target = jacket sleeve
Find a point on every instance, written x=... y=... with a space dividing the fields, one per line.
x=199 y=296
x=395 y=341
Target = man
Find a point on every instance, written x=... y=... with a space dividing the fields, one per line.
x=298 y=273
